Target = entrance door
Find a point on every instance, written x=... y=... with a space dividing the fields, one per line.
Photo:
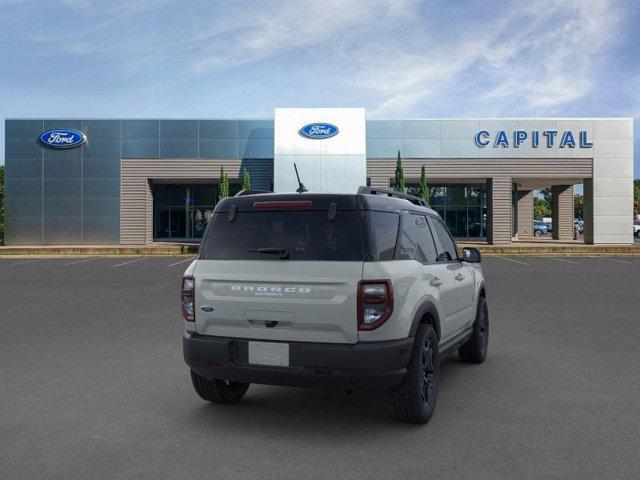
x=162 y=225
x=181 y=211
x=178 y=223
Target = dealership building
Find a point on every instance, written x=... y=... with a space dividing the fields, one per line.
x=138 y=181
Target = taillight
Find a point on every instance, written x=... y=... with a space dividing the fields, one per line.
x=375 y=303
x=187 y=298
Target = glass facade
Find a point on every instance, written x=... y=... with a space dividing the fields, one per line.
x=462 y=207
x=73 y=196
x=181 y=211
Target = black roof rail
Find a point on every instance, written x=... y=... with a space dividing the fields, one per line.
x=250 y=191
x=392 y=193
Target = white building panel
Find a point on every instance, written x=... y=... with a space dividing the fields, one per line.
x=333 y=164
x=614 y=128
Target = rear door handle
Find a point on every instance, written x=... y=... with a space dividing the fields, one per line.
x=459 y=277
x=436 y=282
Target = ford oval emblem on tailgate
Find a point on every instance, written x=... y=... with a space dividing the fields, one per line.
x=207 y=308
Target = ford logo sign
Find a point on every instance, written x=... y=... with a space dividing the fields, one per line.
x=318 y=130
x=62 y=138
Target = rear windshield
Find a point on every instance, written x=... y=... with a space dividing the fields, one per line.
x=279 y=235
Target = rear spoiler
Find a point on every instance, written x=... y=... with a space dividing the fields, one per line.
x=250 y=191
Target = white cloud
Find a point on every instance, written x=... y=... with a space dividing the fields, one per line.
x=529 y=59
x=551 y=60
x=396 y=56
x=398 y=103
x=287 y=26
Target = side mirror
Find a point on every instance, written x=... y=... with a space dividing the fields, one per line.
x=444 y=257
x=471 y=255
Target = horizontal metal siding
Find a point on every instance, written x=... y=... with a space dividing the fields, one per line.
x=500 y=218
x=381 y=170
x=261 y=172
x=525 y=214
x=136 y=202
x=562 y=211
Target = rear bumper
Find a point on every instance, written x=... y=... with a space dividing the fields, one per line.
x=373 y=367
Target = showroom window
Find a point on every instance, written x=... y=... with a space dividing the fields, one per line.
x=462 y=207
x=181 y=211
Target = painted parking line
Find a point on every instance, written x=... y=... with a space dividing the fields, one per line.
x=28 y=261
x=127 y=263
x=562 y=260
x=617 y=261
x=514 y=261
x=182 y=261
x=80 y=261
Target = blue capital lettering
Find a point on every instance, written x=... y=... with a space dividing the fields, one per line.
x=519 y=136
x=567 y=140
x=550 y=134
x=584 y=141
x=501 y=139
x=481 y=138
x=535 y=139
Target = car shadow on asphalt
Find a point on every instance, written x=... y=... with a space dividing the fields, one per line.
x=292 y=411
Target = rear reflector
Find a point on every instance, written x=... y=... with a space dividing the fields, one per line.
x=284 y=204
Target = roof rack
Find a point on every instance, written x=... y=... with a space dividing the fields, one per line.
x=392 y=193
x=250 y=191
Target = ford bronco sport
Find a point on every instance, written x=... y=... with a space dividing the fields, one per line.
x=363 y=291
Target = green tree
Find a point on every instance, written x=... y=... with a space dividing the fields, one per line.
x=541 y=208
x=1 y=204
x=545 y=193
x=224 y=184
x=399 y=183
x=542 y=204
x=578 y=206
x=424 y=190
x=246 y=179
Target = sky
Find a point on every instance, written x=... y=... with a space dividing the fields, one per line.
x=242 y=59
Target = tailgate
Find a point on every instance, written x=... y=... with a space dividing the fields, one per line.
x=305 y=301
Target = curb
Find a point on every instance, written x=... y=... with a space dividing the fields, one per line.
x=172 y=250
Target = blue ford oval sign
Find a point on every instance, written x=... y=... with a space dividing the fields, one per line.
x=318 y=130
x=63 y=138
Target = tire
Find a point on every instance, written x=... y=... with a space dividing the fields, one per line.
x=415 y=399
x=218 y=391
x=475 y=349
x=537 y=233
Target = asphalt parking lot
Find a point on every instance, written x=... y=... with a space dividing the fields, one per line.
x=92 y=385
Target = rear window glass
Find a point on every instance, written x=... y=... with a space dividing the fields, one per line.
x=303 y=234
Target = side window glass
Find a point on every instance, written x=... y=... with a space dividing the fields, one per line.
x=406 y=241
x=425 y=247
x=384 y=232
x=448 y=250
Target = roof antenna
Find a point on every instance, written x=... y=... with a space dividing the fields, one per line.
x=301 y=188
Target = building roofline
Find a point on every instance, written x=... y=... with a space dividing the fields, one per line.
x=232 y=119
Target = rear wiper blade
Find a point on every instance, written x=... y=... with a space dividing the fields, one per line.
x=284 y=254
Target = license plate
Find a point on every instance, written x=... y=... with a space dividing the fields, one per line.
x=269 y=353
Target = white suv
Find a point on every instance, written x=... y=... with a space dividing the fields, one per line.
x=363 y=291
